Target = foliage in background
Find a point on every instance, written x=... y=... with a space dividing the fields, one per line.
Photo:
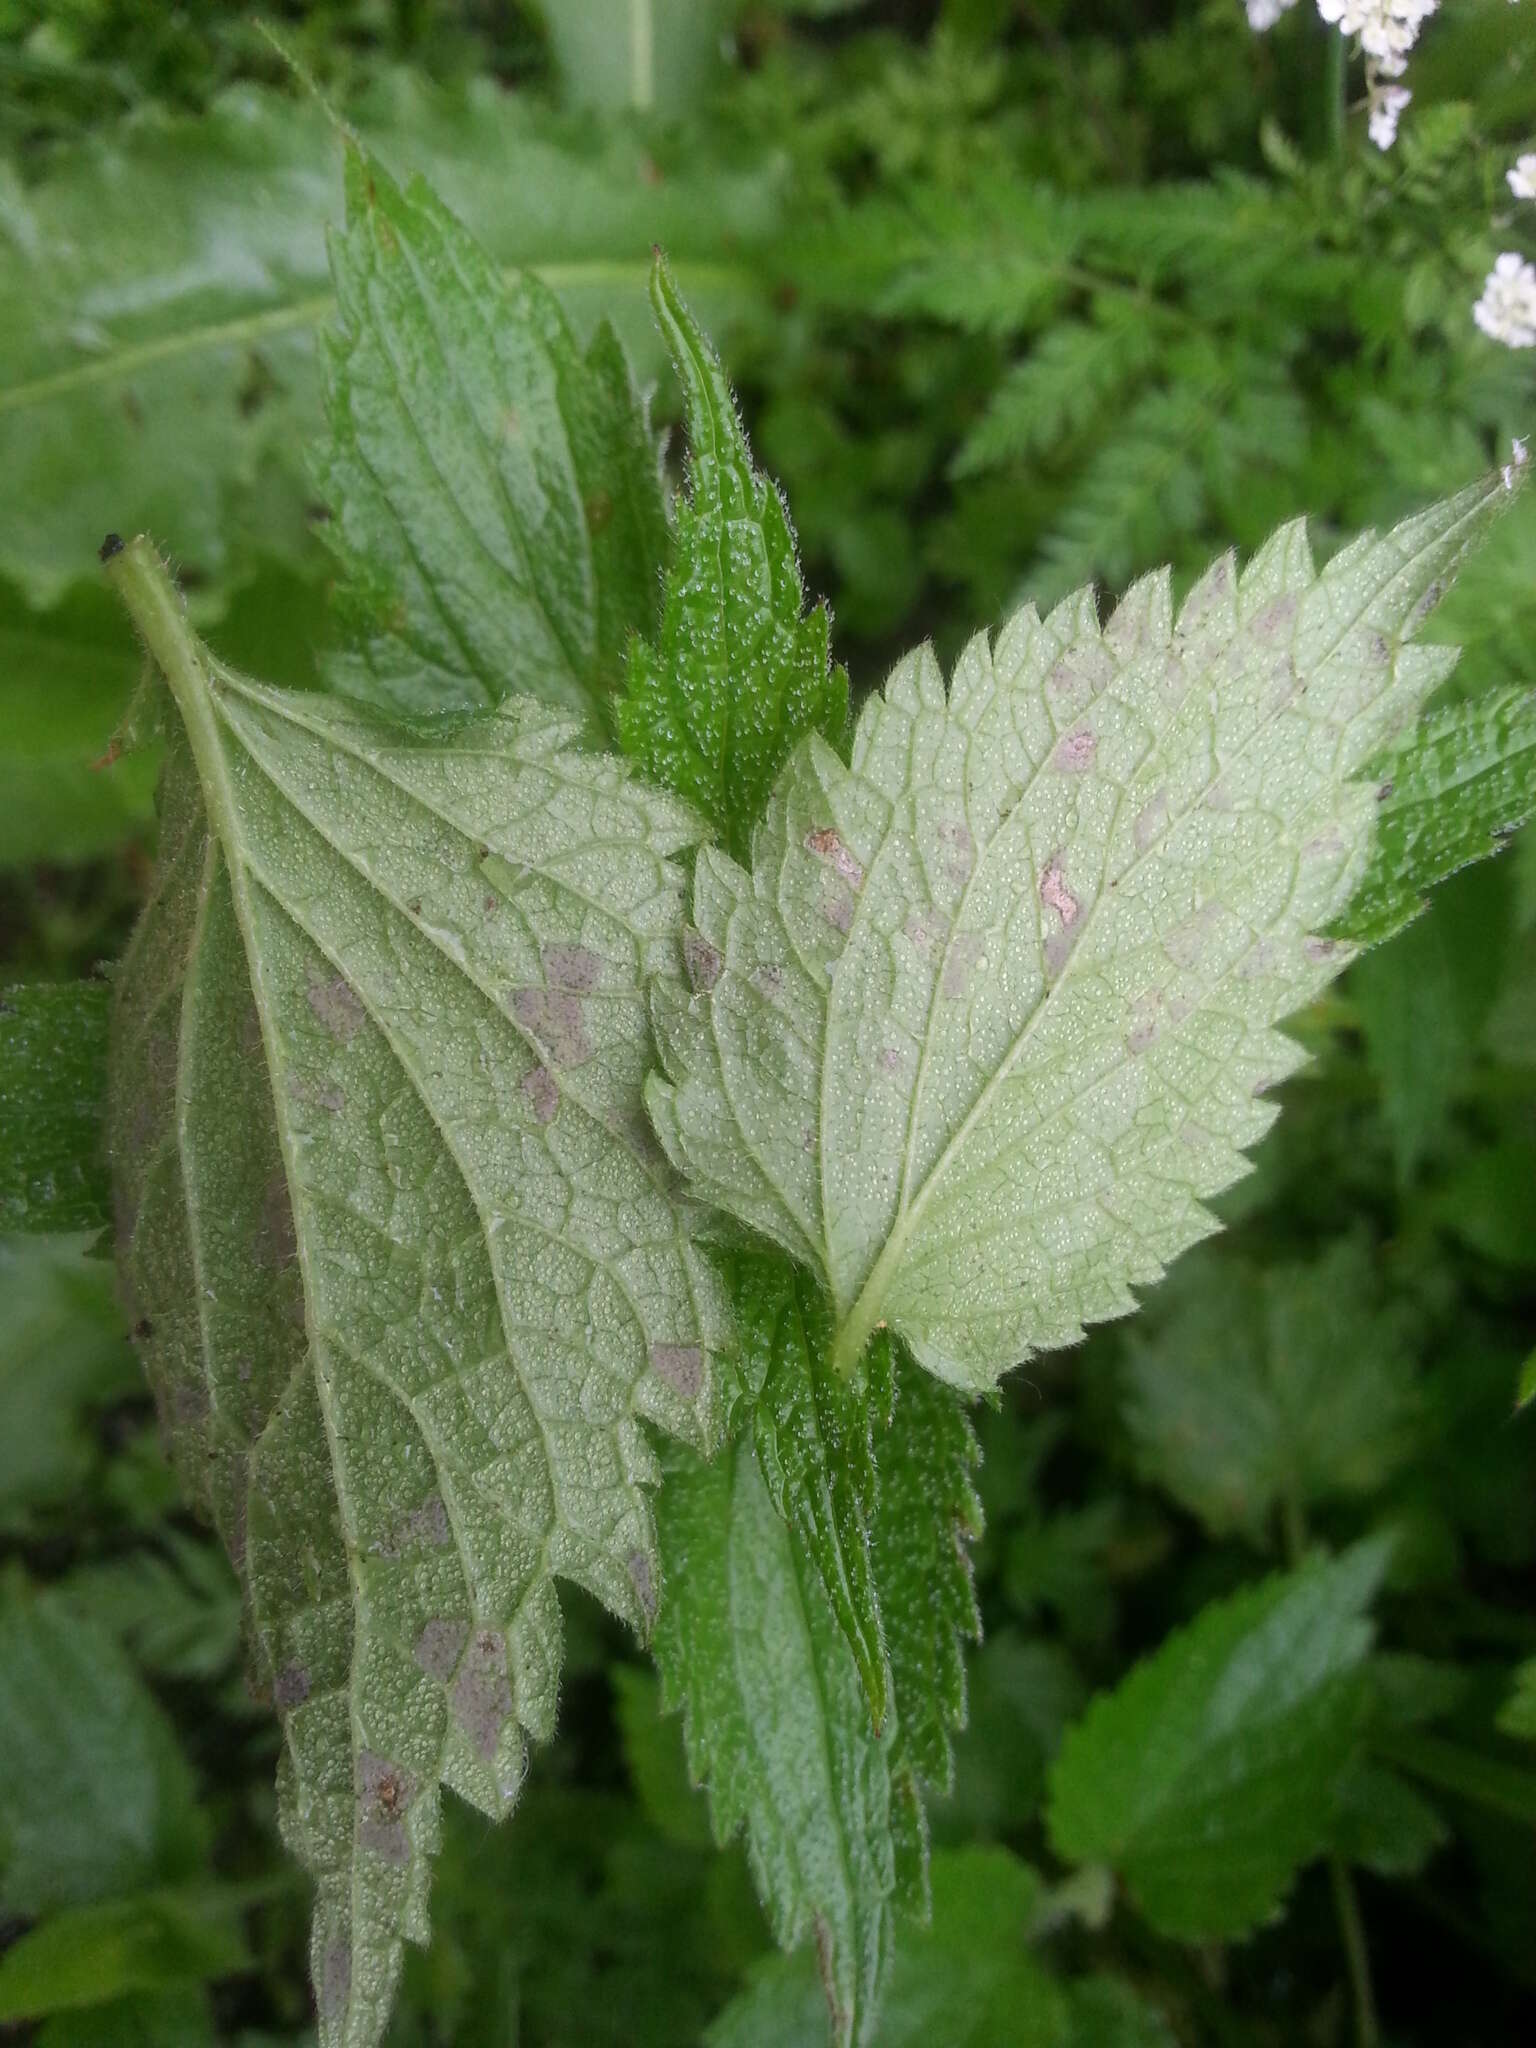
x=1015 y=298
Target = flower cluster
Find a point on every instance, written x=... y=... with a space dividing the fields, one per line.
x=1388 y=29
x=1507 y=310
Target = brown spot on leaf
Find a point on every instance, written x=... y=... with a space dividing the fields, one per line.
x=385 y=1791
x=541 y=1094
x=927 y=929
x=1320 y=949
x=335 y=1002
x=1074 y=754
x=643 y=1580
x=482 y=1693
x=555 y=1018
x=440 y=1645
x=290 y=1688
x=889 y=1060
x=277 y=1241
x=335 y=1986
x=387 y=1839
x=1055 y=894
x=599 y=510
x=827 y=845
x=572 y=967
x=838 y=911
x=680 y=1365
x=702 y=961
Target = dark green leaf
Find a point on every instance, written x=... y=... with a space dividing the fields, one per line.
x=1263 y=1390
x=63 y=1353
x=495 y=492
x=53 y=1084
x=812 y=1430
x=739 y=670
x=1452 y=795
x=926 y=1517
x=95 y=1797
x=1208 y=1776
x=89 y=1955
x=778 y=1728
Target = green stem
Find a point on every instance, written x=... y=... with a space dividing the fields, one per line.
x=1336 y=89
x=1352 y=1928
x=1346 y=1901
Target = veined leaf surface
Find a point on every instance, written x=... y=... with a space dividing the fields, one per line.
x=994 y=1011
x=402 y=1259
x=494 y=489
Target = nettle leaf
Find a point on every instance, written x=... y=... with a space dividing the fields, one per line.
x=967 y=1980
x=402 y=1259
x=813 y=1433
x=1453 y=794
x=926 y=1516
x=1209 y=1775
x=739 y=669
x=1268 y=1391
x=495 y=491
x=777 y=1724
x=161 y=287
x=53 y=1069
x=994 y=1010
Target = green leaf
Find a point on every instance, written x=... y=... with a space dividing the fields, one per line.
x=161 y=287
x=927 y=1515
x=1453 y=794
x=1381 y=1822
x=1272 y=1389
x=740 y=670
x=967 y=1980
x=155 y=2019
x=89 y=1955
x=95 y=1798
x=1107 y=2013
x=65 y=680
x=176 y=1609
x=405 y=1267
x=1517 y=1716
x=1208 y=1776
x=63 y=1353
x=1451 y=1767
x=1424 y=1002
x=777 y=1726
x=1021 y=1697
x=812 y=1432
x=994 y=1011
x=495 y=493
x=53 y=1073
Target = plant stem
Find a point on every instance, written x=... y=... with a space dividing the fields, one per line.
x=1336 y=86
x=1346 y=1900
x=1352 y=1928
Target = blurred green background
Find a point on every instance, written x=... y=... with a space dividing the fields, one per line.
x=1017 y=294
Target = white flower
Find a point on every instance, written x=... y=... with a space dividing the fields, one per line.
x=1507 y=310
x=1522 y=179
x=1386 y=110
x=1388 y=29
x=1263 y=14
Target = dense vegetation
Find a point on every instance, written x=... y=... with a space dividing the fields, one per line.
x=1015 y=298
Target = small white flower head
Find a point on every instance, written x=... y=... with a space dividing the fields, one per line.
x=1507 y=310
x=1388 y=29
x=1522 y=179
x=1387 y=106
x=1263 y=14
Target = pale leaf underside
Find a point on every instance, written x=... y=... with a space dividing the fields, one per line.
x=995 y=1009
x=403 y=1260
